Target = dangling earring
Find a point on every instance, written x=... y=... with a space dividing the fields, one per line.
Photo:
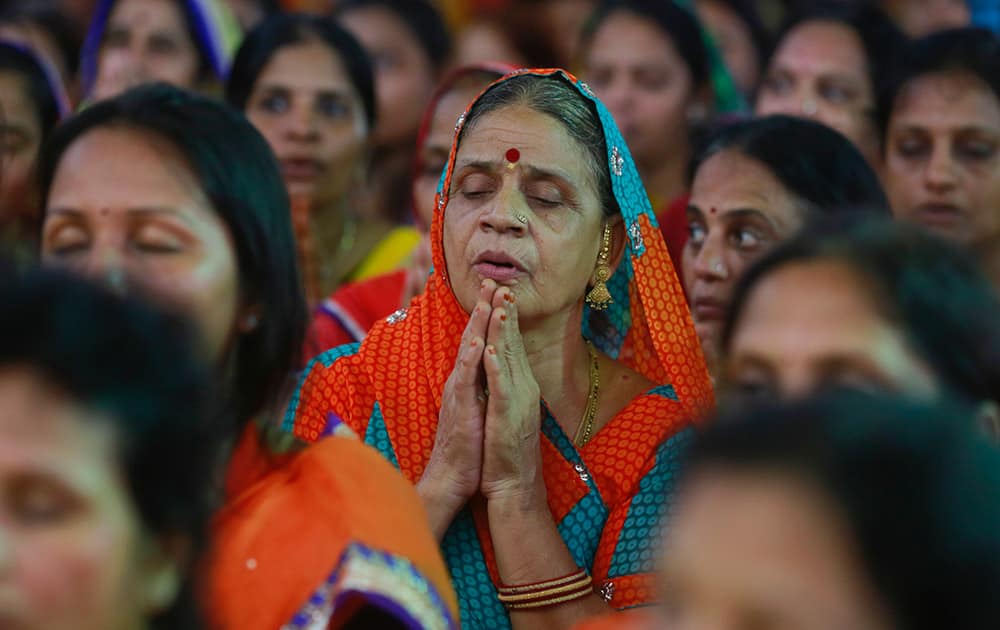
x=599 y=298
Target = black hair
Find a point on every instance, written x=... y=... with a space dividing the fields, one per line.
x=36 y=83
x=918 y=487
x=944 y=306
x=288 y=29
x=241 y=179
x=138 y=368
x=816 y=164
x=679 y=25
x=46 y=14
x=420 y=16
x=973 y=51
x=880 y=38
x=747 y=12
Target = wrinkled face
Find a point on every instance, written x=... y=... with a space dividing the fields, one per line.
x=942 y=157
x=751 y=550
x=404 y=76
x=125 y=209
x=75 y=555
x=433 y=156
x=20 y=138
x=145 y=41
x=634 y=68
x=820 y=71
x=918 y=18
x=306 y=106
x=738 y=212
x=734 y=40
x=812 y=326
x=549 y=258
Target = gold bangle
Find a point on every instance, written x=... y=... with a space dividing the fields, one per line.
x=558 y=590
x=551 y=602
x=540 y=586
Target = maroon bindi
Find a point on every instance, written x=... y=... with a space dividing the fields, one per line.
x=513 y=155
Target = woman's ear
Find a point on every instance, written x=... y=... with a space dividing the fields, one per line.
x=988 y=417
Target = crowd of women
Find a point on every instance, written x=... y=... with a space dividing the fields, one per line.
x=369 y=314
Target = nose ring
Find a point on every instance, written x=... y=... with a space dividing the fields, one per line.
x=719 y=268
x=521 y=219
x=809 y=107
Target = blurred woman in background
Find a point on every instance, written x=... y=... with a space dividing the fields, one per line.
x=647 y=61
x=102 y=529
x=941 y=125
x=409 y=45
x=187 y=43
x=307 y=85
x=757 y=183
x=829 y=65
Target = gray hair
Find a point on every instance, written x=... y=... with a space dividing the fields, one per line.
x=556 y=97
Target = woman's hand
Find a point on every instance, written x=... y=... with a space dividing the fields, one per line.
x=454 y=470
x=512 y=458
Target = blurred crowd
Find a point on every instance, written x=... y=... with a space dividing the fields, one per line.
x=530 y=314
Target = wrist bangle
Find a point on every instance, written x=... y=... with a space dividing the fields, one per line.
x=576 y=585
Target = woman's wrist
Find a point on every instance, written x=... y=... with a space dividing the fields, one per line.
x=441 y=500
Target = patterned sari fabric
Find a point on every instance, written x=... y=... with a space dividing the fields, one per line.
x=606 y=497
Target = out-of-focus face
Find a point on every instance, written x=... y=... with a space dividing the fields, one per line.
x=145 y=41
x=820 y=71
x=433 y=154
x=734 y=40
x=737 y=213
x=811 y=326
x=634 y=68
x=125 y=209
x=942 y=157
x=754 y=550
x=404 y=75
x=41 y=42
x=918 y=18
x=306 y=106
x=546 y=260
x=484 y=41
x=75 y=555
x=20 y=138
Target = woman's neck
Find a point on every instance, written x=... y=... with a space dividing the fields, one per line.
x=560 y=363
x=665 y=179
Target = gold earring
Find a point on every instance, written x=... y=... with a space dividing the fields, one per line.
x=599 y=298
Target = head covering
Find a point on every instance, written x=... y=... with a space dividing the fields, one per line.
x=217 y=36
x=52 y=78
x=648 y=327
x=388 y=389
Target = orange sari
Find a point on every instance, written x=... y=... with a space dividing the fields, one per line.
x=607 y=497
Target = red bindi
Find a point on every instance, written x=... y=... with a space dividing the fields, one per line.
x=713 y=210
x=513 y=155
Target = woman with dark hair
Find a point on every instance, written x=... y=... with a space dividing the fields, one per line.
x=102 y=529
x=410 y=46
x=32 y=101
x=647 y=61
x=756 y=184
x=941 y=134
x=881 y=306
x=853 y=512
x=187 y=43
x=45 y=27
x=830 y=64
x=177 y=198
x=348 y=314
x=307 y=85
x=539 y=389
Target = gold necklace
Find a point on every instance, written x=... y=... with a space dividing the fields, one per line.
x=586 y=428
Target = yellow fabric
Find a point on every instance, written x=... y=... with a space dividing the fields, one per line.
x=391 y=253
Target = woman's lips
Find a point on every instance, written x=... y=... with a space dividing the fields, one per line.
x=301 y=170
x=499 y=272
x=938 y=214
x=708 y=310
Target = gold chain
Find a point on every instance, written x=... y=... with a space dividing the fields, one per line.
x=586 y=429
